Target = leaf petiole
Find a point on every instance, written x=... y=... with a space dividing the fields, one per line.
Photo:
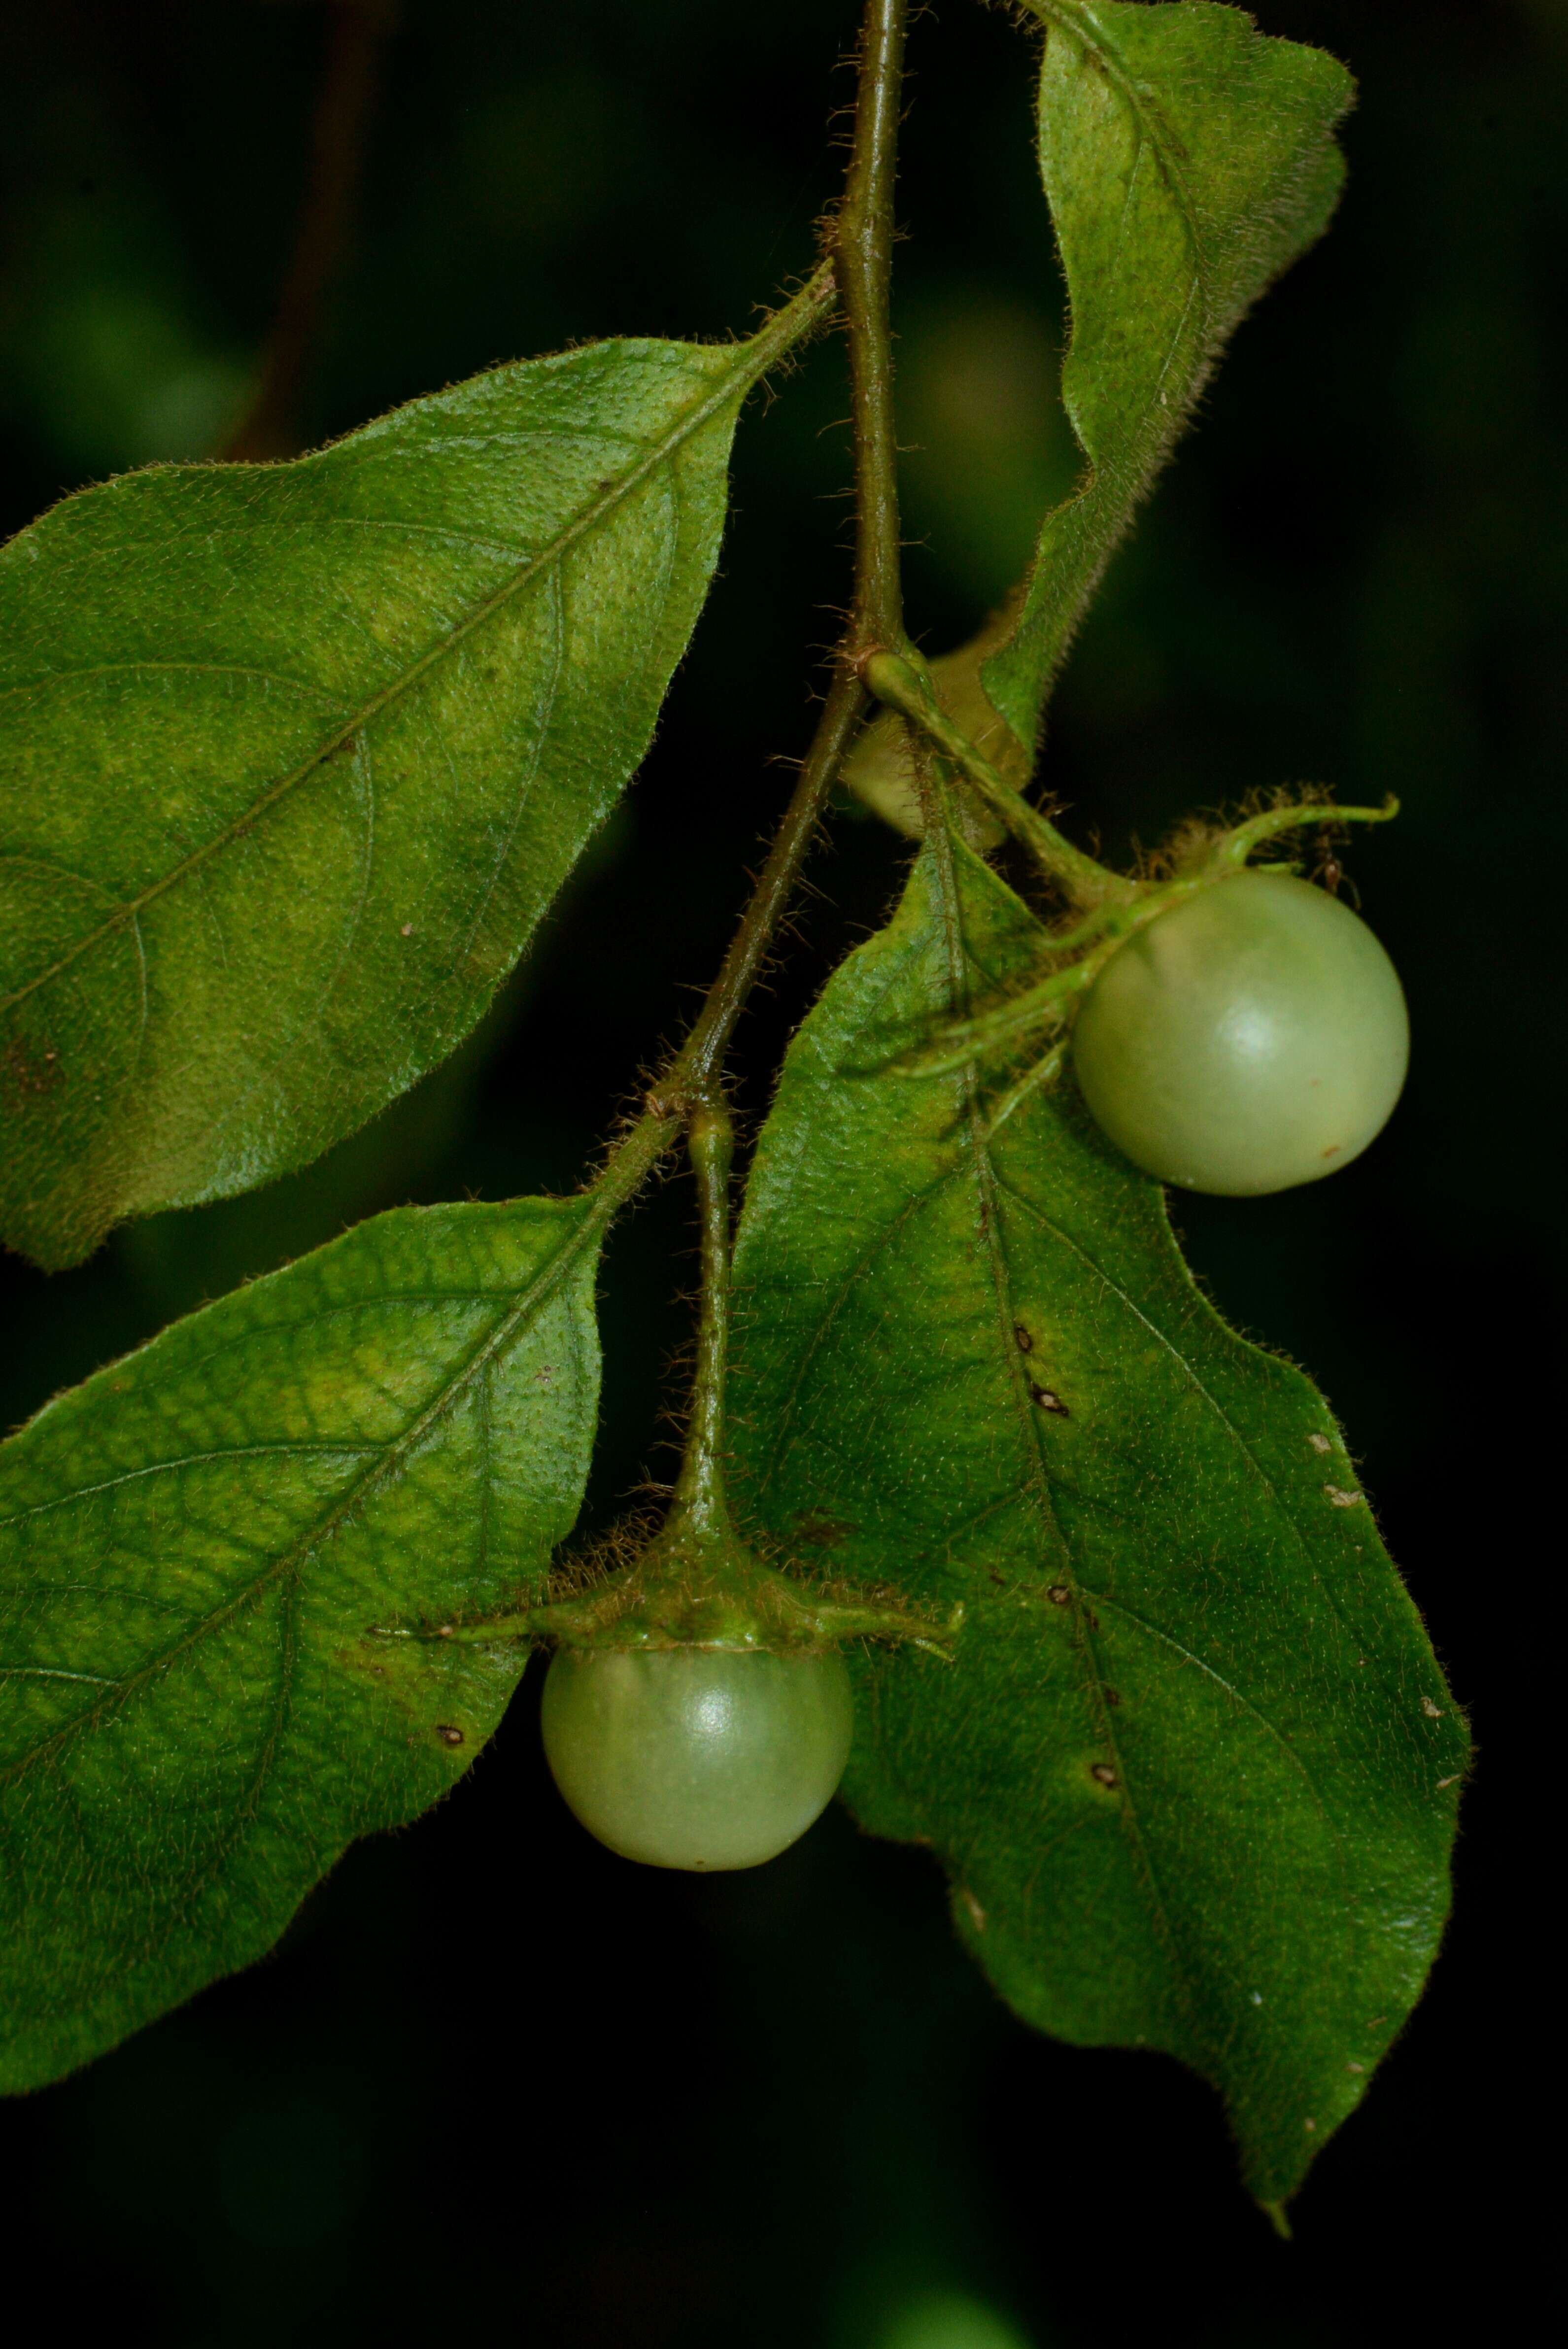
x=895 y=680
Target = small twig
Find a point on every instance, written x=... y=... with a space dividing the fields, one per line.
x=350 y=78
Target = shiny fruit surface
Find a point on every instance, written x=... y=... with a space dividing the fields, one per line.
x=695 y=1757
x=1253 y=1038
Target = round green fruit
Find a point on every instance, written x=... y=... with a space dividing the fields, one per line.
x=1253 y=1038
x=697 y=1757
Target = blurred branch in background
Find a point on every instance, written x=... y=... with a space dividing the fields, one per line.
x=356 y=32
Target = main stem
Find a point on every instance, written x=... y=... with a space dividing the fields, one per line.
x=696 y=1066
x=863 y=246
x=862 y=242
x=863 y=236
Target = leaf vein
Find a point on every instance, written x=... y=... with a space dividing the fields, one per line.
x=692 y=420
x=383 y=1465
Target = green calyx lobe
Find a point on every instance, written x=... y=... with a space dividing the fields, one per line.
x=1111 y=908
x=295 y=757
x=697 y=1585
x=1193 y=1768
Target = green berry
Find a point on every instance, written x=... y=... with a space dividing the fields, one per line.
x=697 y=1757
x=1253 y=1038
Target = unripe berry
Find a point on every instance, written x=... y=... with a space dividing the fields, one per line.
x=1253 y=1038
x=697 y=1757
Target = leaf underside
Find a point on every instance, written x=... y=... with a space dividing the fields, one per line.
x=1194 y=1770
x=1187 y=160
x=196 y=1715
x=294 y=757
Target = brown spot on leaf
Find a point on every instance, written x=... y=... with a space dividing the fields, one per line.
x=1026 y=1342
x=28 y=1075
x=1433 y=1712
x=450 y=1733
x=1113 y=1696
x=1047 y=1400
x=1104 y=1773
x=1058 y=1594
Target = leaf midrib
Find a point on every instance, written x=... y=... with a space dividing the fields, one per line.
x=1079 y=23
x=957 y=959
x=1282 y=1512
x=690 y=423
x=289 y=1563
x=1102 y=482
x=1288 y=1514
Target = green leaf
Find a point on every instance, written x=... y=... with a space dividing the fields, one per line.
x=294 y=757
x=1187 y=161
x=1194 y=1769
x=196 y=1715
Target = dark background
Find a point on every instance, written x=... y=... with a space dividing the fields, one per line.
x=495 y=2082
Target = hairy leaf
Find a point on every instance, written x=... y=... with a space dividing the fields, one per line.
x=196 y=1715
x=1187 y=161
x=1194 y=1769
x=294 y=757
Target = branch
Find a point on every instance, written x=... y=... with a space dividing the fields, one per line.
x=862 y=241
x=863 y=237
x=345 y=102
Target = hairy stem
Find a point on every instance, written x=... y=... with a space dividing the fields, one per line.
x=699 y=1493
x=863 y=239
x=1080 y=879
x=862 y=242
x=696 y=1065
